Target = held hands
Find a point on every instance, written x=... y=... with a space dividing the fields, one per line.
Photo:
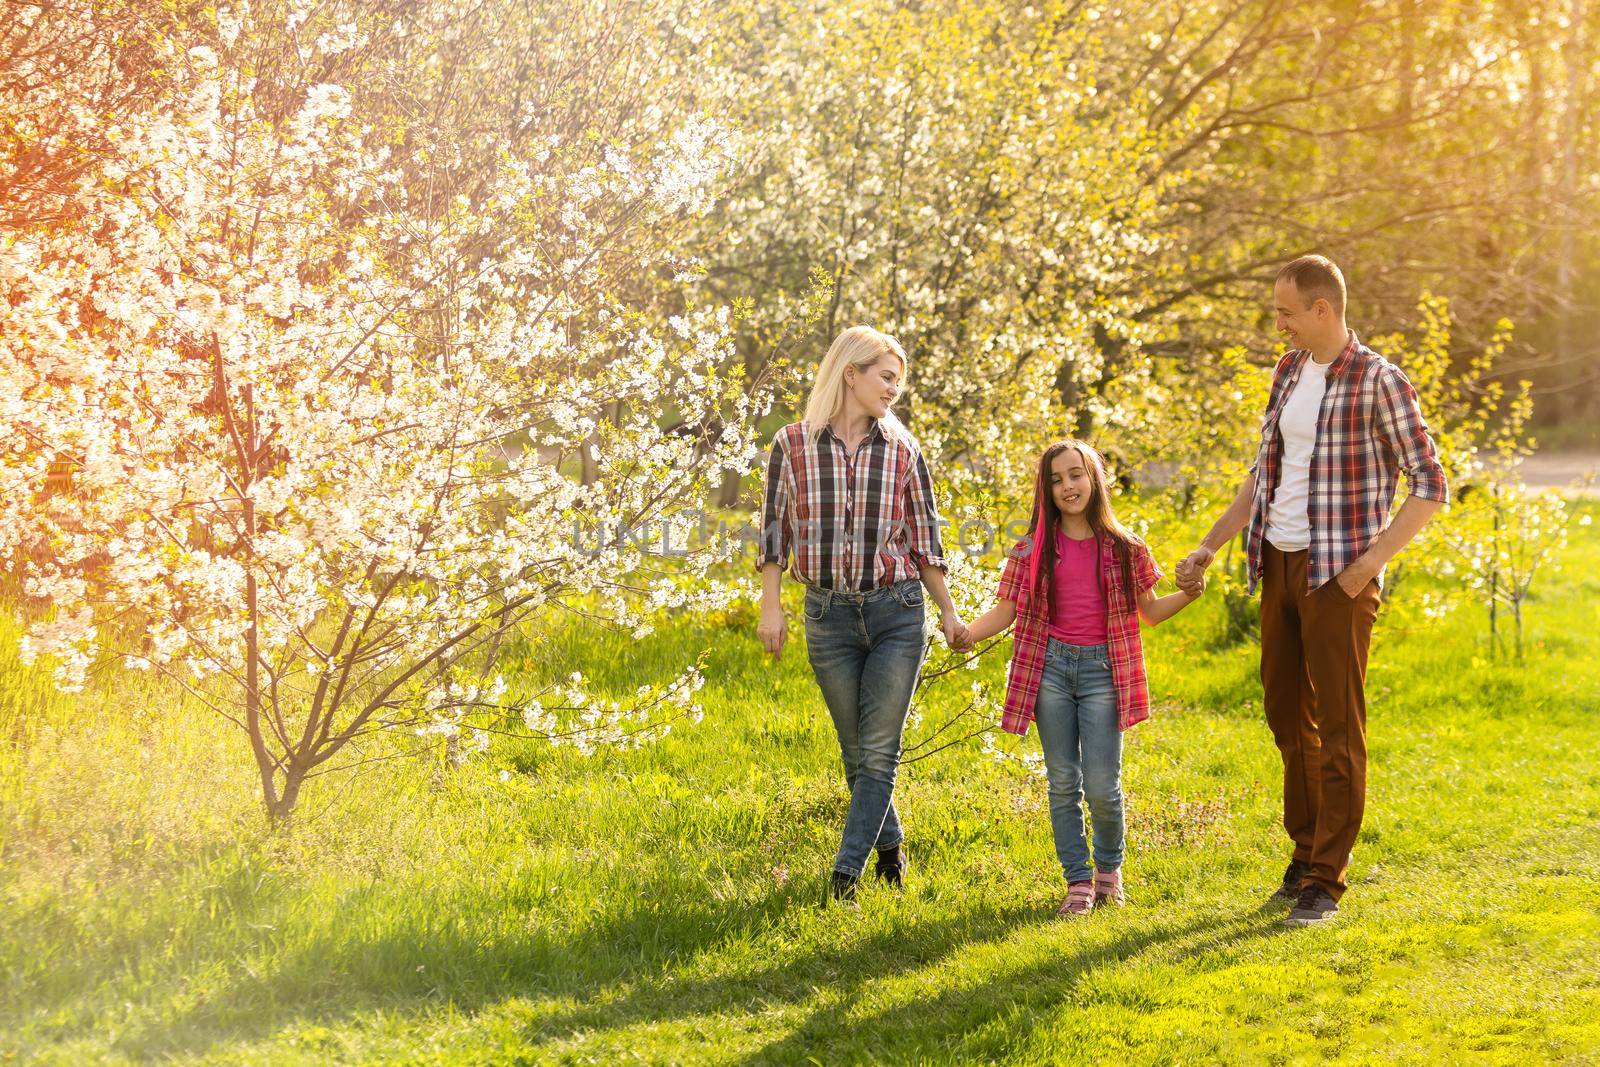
x=1191 y=574
x=956 y=633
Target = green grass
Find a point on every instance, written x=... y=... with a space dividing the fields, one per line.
x=660 y=905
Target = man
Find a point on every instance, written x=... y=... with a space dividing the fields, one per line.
x=1342 y=423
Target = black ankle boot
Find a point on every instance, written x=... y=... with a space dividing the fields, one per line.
x=891 y=866
x=843 y=887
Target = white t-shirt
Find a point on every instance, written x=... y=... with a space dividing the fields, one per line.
x=1288 y=523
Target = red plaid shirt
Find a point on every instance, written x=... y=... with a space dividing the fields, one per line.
x=1369 y=430
x=1032 y=635
x=852 y=526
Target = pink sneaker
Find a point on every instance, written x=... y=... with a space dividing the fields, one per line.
x=1080 y=899
x=1108 y=888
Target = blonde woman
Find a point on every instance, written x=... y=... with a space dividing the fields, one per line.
x=850 y=499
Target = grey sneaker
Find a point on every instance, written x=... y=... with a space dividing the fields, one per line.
x=1289 y=891
x=1313 y=907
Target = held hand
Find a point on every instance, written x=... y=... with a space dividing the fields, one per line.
x=1355 y=577
x=772 y=629
x=964 y=640
x=1192 y=570
x=956 y=633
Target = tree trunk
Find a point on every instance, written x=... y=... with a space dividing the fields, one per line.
x=278 y=804
x=1567 y=241
x=1067 y=388
x=728 y=492
x=280 y=811
x=588 y=467
x=1539 y=142
x=1494 y=583
x=1407 y=60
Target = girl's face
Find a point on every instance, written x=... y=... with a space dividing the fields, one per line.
x=1070 y=485
x=877 y=387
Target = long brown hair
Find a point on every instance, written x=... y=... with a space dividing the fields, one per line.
x=1102 y=520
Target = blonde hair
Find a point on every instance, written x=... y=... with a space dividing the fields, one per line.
x=859 y=347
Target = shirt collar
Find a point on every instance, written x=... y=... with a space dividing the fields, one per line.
x=1102 y=538
x=1352 y=346
x=874 y=429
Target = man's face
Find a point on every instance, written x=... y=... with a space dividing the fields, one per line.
x=1298 y=318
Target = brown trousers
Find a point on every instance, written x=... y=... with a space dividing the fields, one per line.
x=1314 y=673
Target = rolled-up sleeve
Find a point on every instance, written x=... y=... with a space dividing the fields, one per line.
x=922 y=514
x=776 y=513
x=1399 y=423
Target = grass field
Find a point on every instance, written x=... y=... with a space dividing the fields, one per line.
x=661 y=905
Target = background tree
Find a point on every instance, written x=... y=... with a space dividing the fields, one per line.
x=312 y=372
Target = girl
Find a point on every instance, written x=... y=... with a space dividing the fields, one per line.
x=1077 y=587
x=849 y=495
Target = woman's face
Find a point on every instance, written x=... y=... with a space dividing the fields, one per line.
x=1069 y=482
x=877 y=387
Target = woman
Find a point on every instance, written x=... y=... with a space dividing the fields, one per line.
x=849 y=496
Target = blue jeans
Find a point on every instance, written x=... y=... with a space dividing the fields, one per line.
x=866 y=650
x=1077 y=718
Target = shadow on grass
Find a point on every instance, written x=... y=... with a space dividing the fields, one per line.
x=957 y=1020
x=417 y=966
x=618 y=973
x=845 y=968
x=613 y=968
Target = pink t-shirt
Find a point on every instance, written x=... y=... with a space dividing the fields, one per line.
x=1080 y=604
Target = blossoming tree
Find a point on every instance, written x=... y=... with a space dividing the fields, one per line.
x=293 y=388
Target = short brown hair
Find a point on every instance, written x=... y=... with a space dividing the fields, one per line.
x=1317 y=278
